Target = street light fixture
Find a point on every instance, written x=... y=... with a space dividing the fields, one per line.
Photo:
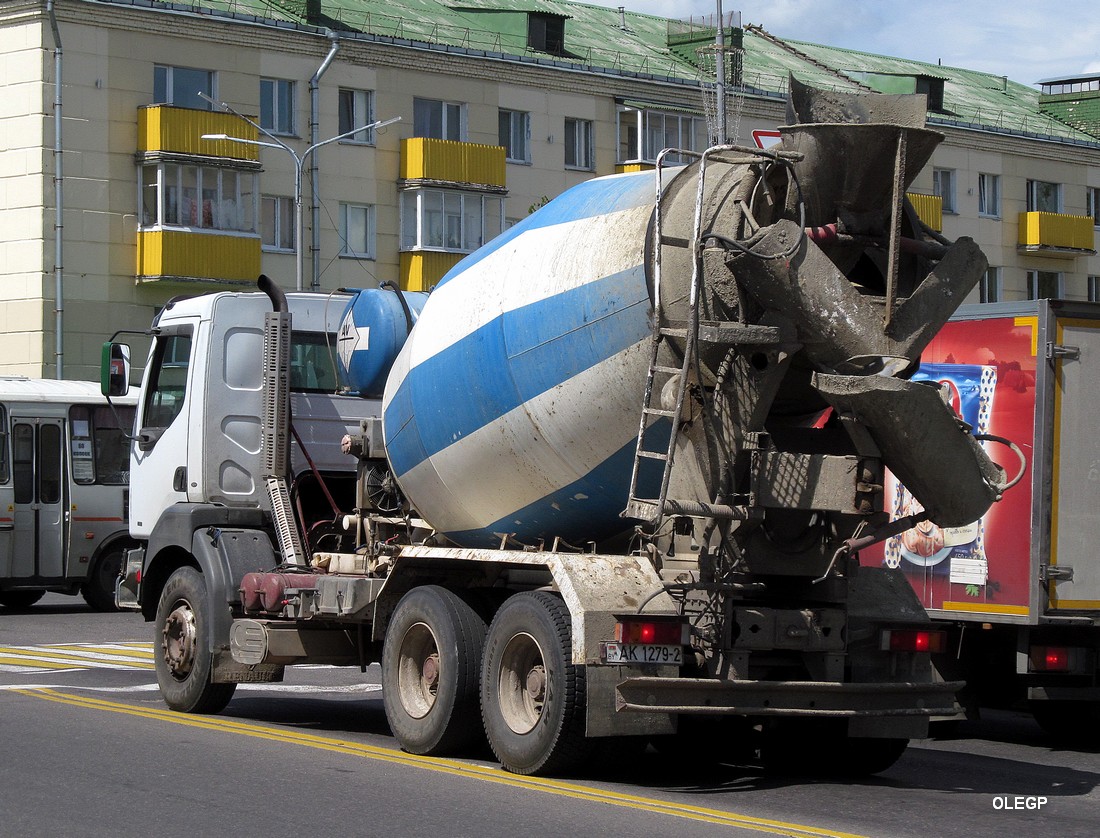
x=299 y=163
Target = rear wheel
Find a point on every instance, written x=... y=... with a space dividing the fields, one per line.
x=98 y=589
x=1069 y=721
x=183 y=658
x=430 y=664
x=532 y=695
x=20 y=599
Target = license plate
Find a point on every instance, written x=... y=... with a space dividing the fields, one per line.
x=641 y=653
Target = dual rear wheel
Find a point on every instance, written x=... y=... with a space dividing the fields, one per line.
x=449 y=680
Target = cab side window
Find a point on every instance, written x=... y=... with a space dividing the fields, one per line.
x=168 y=380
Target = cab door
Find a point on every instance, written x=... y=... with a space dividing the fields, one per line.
x=38 y=497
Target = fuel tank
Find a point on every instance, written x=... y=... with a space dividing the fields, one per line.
x=372 y=332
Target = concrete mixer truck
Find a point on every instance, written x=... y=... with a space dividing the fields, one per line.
x=607 y=485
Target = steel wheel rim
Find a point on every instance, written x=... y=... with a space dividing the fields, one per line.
x=179 y=641
x=418 y=670
x=523 y=686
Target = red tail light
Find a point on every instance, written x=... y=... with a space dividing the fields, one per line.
x=1050 y=659
x=657 y=632
x=914 y=640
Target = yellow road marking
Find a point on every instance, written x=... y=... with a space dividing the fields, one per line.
x=444 y=766
x=33 y=663
x=133 y=650
x=40 y=655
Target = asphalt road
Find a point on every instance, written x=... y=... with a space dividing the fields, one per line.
x=90 y=750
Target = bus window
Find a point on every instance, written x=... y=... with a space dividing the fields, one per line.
x=100 y=449
x=49 y=464
x=23 y=462
x=4 y=471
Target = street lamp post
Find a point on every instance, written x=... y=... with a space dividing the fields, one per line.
x=299 y=163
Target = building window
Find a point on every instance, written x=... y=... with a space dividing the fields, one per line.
x=277 y=223
x=356 y=110
x=989 y=195
x=197 y=197
x=943 y=185
x=989 y=287
x=1092 y=201
x=1043 y=196
x=277 y=106
x=578 y=144
x=546 y=32
x=439 y=219
x=644 y=133
x=1044 y=285
x=357 y=231
x=514 y=133
x=1094 y=289
x=439 y=120
x=181 y=86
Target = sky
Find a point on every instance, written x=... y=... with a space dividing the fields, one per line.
x=1026 y=41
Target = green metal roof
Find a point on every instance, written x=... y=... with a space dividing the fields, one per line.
x=597 y=39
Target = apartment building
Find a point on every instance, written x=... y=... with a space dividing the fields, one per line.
x=152 y=149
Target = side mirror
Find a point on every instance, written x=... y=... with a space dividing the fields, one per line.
x=114 y=369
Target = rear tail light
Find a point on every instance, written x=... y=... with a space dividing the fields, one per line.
x=650 y=631
x=914 y=640
x=1051 y=658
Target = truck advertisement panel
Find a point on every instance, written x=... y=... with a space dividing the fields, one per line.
x=986 y=369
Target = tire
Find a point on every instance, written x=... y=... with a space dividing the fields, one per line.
x=183 y=657
x=98 y=589
x=532 y=695
x=20 y=599
x=431 y=660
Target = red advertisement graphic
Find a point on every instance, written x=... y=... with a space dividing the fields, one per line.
x=988 y=370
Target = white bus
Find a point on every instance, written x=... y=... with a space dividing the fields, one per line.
x=64 y=475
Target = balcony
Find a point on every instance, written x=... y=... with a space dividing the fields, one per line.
x=1056 y=234
x=167 y=130
x=929 y=209
x=182 y=256
x=425 y=160
x=422 y=269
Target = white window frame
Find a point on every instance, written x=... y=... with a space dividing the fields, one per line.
x=178 y=98
x=1093 y=289
x=474 y=217
x=514 y=133
x=1092 y=202
x=1033 y=195
x=279 y=114
x=943 y=185
x=989 y=195
x=578 y=138
x=359 y=110
x=218 y=199
x=990 y=289
x=642 y=121
x=452 y=119
x=283 y=232
x=348 y=250
x=1033 y=284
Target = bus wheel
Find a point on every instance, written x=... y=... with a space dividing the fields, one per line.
x=430 y=664
x=183 y=659
x=20 y=599
x=532 y=694
x=98 y=589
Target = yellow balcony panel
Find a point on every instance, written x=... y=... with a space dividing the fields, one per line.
x=1056 y=234
x=421 y=270
x=448 y=161
x=621 y=168
x=178 y=130
x=929 y=209
x=179 y=255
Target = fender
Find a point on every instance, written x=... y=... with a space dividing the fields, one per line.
x=223 y=542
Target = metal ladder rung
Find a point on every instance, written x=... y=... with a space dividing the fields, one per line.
x=666 y=370
x=653 y=455
x=669 y=332
x=657 y=411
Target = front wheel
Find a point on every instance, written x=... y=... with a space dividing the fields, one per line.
x=430 y=664
x=532 y=695
x=20 y=599
x=183 y=658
